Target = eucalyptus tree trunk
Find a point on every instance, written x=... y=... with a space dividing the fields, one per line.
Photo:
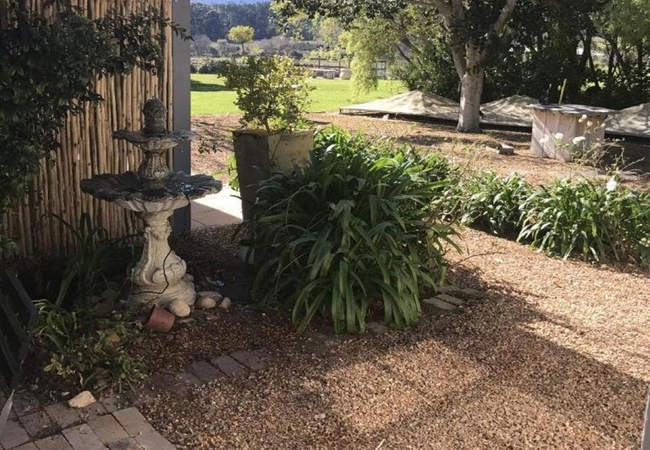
x=469 y=65
x=468 y=58
x=469 y=120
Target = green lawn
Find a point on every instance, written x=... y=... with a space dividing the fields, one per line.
x=210 y=96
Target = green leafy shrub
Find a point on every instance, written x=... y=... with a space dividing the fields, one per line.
x=492 y=203
x=598 y=221
x=272 y=92
x=632 y=212
x=95 y=359
x=68 y=328
x=87 y=269
x=351 y=233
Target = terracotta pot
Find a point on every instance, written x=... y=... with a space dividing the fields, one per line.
x=160 y=319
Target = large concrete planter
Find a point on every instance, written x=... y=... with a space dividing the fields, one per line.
x=260 y=155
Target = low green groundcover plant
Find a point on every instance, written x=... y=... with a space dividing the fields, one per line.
x=492 y=203
x=597 y=220
x=94 y=358
x=593 y=219
x=353 y=233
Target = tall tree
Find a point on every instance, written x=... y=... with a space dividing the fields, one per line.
x=471 y=26
x=213 y=26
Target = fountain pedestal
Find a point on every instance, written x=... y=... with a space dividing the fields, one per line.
x=159 y=276
x=154 y=193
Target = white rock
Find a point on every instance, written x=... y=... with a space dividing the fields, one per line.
x=225 y=303
x=189 y=278
x=505 y=149
x=179 y=308
x=206 y=303
x=81 y=400
x=217 y=297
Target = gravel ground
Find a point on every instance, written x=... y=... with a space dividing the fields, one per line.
x=556 y=356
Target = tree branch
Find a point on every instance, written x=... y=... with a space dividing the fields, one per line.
x=459 y=62
x=441 y=5
x=501 y=22
x=403 y=54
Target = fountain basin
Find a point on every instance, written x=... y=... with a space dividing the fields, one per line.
x=143 y=195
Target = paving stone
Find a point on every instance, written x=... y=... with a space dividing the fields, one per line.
x=451 y=299
x=472 y=293
x=37 y=424
x=25 y=403
x=92 y=411
x=28 y=446
x=249 y=359
x=108 y=429
x=229 y=366
x=63 y=415
x=57 y=442
x=172 y=382
x=3 y=400
x=189 y=378
x=154 y=441
x=125 y=444
x=133 y=422
x=434 y=305
x=13 y=435
x=82 y=437
x=205 y=371
x=111 y=404
x=448 y=289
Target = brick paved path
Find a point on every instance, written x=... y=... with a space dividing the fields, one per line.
x=125 y=429
x=102 y=426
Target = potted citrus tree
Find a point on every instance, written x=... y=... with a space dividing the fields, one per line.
x=273 y=94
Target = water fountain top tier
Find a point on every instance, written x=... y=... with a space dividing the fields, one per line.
x=153 y=187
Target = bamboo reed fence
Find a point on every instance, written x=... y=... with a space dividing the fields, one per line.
x=87 y=149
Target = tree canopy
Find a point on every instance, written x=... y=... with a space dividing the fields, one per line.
x=214 y=21
x=241 y=34
x=598 y=49
x=470 y=27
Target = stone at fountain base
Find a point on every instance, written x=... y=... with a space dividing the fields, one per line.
x=146 y=297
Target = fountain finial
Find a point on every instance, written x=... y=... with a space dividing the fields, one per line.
x=155 y=117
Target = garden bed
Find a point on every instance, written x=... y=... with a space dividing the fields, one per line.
x=555 y=356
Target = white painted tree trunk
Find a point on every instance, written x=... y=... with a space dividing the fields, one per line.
x=469 y=120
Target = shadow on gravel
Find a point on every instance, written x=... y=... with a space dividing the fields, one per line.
x=579 y=393
x=482 y=378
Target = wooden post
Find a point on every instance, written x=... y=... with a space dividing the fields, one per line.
x=181 y=108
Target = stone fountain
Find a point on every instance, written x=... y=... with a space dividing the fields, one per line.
x=154 y=192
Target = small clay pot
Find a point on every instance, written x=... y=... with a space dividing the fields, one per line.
x=160 y=319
